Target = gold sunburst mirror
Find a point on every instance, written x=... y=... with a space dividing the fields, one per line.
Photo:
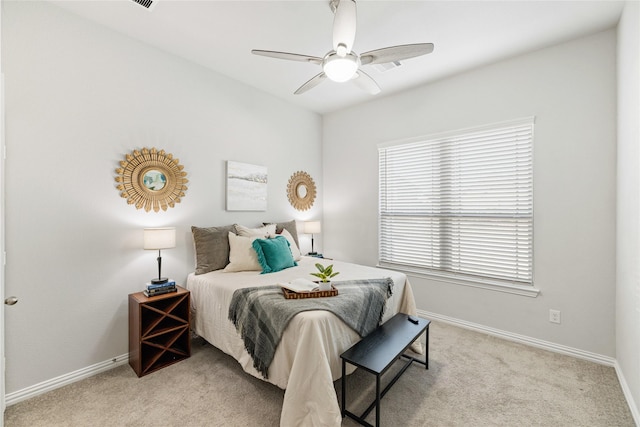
x=301 y=191
x=151 y=179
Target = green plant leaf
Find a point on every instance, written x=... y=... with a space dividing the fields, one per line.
x=325 y=273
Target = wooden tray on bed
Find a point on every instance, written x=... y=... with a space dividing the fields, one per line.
x=288 y=294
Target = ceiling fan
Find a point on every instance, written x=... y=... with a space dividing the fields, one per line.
x=342 y=64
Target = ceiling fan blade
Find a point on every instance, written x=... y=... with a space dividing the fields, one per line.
x=395 y=53
x=288 y=56
x=344 y=26
x=366 y=83
x=313 y=82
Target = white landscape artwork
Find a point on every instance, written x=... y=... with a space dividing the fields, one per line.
x=246 y=187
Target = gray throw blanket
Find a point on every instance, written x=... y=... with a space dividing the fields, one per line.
x=261 y=314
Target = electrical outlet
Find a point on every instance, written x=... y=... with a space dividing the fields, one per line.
x=554 y=316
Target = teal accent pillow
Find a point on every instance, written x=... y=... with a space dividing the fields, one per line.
x=273 y=254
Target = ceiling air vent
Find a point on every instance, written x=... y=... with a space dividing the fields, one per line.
x=147 y=4
x=386 y=66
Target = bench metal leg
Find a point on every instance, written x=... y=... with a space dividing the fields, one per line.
x=426 y=350
x=381 y=394
x=377 y=400
x=344 y=386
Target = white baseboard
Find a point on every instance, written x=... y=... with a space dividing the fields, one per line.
x=62 y=380
x=627 y=393
x=534 y=342
x=545 y=345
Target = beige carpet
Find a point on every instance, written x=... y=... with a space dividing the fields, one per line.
x=473 y=380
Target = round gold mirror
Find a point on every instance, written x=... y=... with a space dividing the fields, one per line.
x=151 y=179
x=301 y=191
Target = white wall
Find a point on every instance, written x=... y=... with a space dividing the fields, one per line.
x=628 y=213
x=571 y=90
x=78 y=98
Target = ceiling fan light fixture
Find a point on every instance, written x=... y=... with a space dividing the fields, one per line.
x=340 y=69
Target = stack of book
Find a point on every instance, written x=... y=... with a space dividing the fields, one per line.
x=154 y=289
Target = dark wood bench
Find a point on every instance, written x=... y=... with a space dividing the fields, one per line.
x=376 y=352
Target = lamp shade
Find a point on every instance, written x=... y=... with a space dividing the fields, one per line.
x=160 y=238
x=312 y=227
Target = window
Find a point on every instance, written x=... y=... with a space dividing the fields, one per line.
x=460 y=205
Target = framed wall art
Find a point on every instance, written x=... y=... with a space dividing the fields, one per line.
x=246 y=187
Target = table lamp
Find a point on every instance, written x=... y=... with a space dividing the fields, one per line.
x=312 y=227
x=159 y=238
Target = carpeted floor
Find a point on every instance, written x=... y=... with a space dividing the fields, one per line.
x=473 y=380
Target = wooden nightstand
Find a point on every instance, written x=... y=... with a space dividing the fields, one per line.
x=158 y=330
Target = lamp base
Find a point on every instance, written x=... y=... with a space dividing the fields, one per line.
x=159 y=281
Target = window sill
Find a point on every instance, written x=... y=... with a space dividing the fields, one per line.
x=493 y=285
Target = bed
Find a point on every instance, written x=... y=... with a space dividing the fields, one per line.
x=307 y=359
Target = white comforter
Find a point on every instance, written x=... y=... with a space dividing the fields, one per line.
x=307 y=360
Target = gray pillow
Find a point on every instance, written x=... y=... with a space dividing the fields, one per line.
x=290 y=226
x=212 y=247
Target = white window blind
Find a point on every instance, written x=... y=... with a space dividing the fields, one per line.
x=460 y=205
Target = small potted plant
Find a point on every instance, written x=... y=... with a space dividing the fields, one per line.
x=324 y=274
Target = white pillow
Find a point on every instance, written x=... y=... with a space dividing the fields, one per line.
x=295 y=251
x=265 y=232
x=242 y=256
